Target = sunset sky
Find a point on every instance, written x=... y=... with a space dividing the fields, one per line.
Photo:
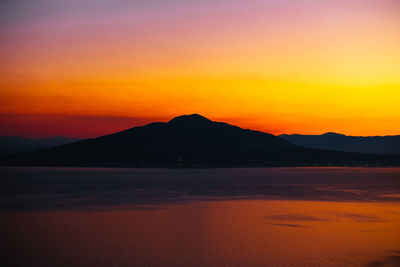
x=83 y=68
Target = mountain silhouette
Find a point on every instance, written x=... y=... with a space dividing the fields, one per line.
x=190 y=140
x=389 y=145
x=15 y=144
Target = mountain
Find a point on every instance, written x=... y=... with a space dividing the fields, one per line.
x=389 y=145
x=14 y=144
x=191 y=141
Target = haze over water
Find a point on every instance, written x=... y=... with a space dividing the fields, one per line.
x=202 y=217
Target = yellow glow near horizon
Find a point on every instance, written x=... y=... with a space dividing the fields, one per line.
x=279 y=67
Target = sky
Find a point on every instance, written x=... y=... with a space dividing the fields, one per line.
x=84 y=68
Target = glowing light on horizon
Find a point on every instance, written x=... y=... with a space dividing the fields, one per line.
x=279 y=66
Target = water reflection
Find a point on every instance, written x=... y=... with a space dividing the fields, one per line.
x=91 y=188
x=207 y=217
x=209 y=233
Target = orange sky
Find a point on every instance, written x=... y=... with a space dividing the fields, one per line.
x=82 y=69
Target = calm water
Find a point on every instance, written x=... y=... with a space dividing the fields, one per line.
x=205 y=217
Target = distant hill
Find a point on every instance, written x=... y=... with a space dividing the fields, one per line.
x=14 y=144
x=389 y=145
x=190 y=141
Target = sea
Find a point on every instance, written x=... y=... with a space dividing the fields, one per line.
x=337 y=216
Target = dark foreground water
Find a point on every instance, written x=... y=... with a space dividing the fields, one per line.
x=200 y=217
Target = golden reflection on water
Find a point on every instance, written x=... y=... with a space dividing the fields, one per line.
x=218 y=233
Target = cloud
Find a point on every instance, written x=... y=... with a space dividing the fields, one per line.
x=358 y=217
x=293 y=217
x=392 y=260
x=288 y=225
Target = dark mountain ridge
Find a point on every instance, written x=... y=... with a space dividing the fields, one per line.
x=191 y=141
x=16 y=144
x=389 y=145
